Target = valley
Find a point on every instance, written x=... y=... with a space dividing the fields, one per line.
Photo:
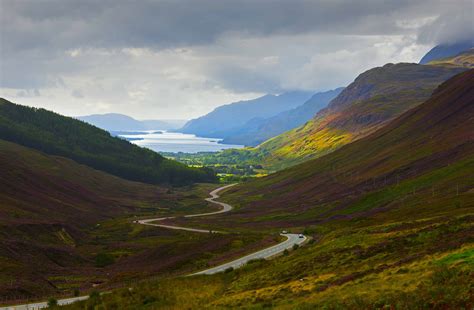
x=390 y=226
x=236 y=155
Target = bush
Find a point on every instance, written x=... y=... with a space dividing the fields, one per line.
x=103 y=260
x=285 y=252
x=295 y=246
x=230 y=269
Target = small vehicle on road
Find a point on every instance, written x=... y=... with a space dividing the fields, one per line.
x=300 y=236
x=284 y=232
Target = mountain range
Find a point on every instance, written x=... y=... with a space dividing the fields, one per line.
x=431 y=139
x=374 y=98
x=257 y=130
x=121 y=122
x=228 y=119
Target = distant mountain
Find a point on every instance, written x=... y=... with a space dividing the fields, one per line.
x=228 y=119
x=55 y=134
x=446 y=50
x=165 y=124
x=463 y=59
x=258 y=130
x=121 y=122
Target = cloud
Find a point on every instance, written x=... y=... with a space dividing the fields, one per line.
x=456 y=24
x=180 y=59
x=76 y=93
x=28 y=93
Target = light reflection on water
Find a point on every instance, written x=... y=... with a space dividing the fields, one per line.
x=176 y=142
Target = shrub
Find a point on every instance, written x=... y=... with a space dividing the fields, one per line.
x=103 y=260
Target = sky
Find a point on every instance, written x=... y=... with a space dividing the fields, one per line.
x=181 y=59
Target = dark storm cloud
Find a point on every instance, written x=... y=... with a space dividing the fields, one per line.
x=454 y=25
x=162 y=24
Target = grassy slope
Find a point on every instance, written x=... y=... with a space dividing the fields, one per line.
x=392 y=214
x=58 y=135
x=57 y=215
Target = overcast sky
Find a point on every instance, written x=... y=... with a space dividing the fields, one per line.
x=180 y=59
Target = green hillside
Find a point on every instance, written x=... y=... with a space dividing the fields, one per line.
x=391 y=216
x=59 y=135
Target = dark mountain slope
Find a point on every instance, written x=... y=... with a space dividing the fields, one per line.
x=428 y=151
x=257 y=131
x=58 y=135
x=227 y=119
x=49 y=208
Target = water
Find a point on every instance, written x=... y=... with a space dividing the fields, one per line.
x=174 y=142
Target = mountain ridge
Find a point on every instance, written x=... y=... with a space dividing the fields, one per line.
x=122 y=122
x=429 y=137
x=257 y=131
x=375 y=97
x=226 y=119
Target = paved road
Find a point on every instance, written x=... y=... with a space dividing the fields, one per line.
x=265 y=253
x=42 y=305
x=214 y=195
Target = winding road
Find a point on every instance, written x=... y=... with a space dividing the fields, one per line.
x=291 y=240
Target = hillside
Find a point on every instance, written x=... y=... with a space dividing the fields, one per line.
x=430 y=146
x=58 y=217
x=445 y=50
x=48 y=205
x=58 y=135
x=374 y=98
x=257 y=131
x=120 y=122
x=228 y=119
x=391 y=216
x=463 y=59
